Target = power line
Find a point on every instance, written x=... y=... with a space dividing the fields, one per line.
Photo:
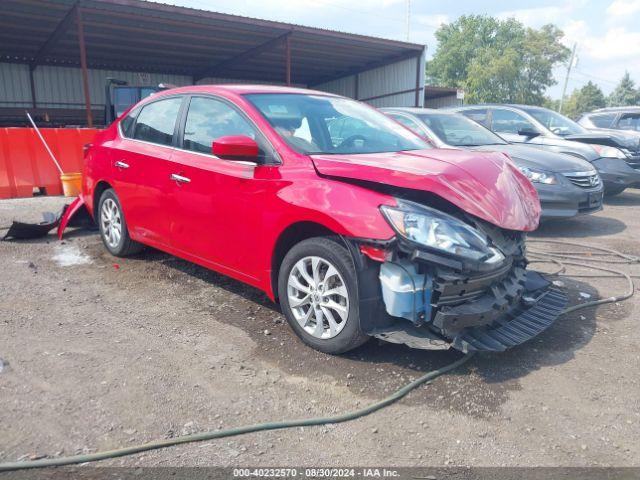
x=604 y=80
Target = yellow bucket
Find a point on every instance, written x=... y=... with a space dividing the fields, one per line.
x=71 y=184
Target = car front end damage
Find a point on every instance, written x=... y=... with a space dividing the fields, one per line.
x=429 y=298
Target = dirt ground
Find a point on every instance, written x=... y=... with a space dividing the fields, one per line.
x=99 y=352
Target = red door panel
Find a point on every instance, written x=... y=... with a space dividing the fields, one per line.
x=215 y=208
x=141 y=180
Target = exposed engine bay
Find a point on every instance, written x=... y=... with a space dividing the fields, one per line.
x=436 y=301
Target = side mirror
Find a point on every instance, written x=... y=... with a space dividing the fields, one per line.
x=236 y=147
x=528 y=132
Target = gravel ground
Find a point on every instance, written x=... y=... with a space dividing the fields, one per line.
x=99 y=352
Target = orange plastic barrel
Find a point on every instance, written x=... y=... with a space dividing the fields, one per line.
x=71 y=184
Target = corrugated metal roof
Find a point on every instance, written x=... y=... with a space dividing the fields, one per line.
x=141 y=35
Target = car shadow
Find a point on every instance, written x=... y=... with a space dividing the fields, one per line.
x=378 y=368
x=580 y=227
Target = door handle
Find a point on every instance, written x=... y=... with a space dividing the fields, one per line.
x=179 y=178
x=121 y=164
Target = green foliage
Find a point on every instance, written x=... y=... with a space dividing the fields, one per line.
x=496 y=60
x=550 y=103
x=625 y=94
x=585 y=99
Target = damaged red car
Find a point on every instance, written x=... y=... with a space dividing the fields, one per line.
x=356 y=226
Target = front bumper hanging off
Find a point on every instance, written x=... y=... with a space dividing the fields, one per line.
x=490 y=311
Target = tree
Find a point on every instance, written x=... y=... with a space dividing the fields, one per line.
x=625 y=93
x=582 y=100
x=496 y=60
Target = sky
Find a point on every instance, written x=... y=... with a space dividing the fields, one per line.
x=607 y=32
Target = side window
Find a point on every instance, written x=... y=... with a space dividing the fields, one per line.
x=603 y=120
x=209 y=119
x=507 y=121
x=157 y=120
x=126 y=124
x=630 y=121
x=480 y=116
x=407 y=122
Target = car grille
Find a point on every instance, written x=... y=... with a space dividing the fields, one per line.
x=584 y=179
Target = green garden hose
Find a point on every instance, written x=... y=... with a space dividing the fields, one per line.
x=259 y=427
x=535 y=256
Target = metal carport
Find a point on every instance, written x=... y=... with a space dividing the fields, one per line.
x=55 y=55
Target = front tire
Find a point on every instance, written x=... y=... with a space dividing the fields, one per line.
x=113 y=227
x=318 y=294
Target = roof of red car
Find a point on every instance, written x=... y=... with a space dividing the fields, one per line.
x=241 y=89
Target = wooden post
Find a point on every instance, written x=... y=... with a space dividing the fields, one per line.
x=83 y=66
x=287 y=59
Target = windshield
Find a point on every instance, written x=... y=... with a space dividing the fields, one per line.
x=459 y=131
x=316 y=124
x=558 y=124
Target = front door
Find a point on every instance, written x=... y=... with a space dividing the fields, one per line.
x=218 y=205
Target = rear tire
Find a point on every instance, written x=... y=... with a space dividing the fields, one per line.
x=318 y=294
x=113 y=227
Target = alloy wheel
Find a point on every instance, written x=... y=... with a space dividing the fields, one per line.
x=318 y=297
x=111 y=222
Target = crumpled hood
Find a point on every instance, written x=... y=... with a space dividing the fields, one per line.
x=484 y=184
x=525 y=156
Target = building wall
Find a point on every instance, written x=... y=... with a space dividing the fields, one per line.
x=15 y=90
x=61 y=87
x=443 y=102
x=383 y=81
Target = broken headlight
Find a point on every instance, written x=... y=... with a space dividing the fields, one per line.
x=440 y=232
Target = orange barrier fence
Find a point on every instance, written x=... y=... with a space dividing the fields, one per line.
x=25 y=165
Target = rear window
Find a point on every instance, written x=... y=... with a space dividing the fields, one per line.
x=156 y=121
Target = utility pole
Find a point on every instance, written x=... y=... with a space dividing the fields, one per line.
x=408 y=19
x=566 y=79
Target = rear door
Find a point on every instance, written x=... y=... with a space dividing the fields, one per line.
x=140 y=161
x=217 y=204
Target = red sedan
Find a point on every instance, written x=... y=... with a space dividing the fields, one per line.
x=354 y=224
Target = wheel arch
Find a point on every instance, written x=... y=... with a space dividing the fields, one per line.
x=293 y=234
x=98 y=190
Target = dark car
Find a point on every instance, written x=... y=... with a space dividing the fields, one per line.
x=614 y=156
x=567 y=186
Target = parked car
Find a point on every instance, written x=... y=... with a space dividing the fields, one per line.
x=614 y=158
x=357 y=232
x=567 y=186
x=613 y=120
